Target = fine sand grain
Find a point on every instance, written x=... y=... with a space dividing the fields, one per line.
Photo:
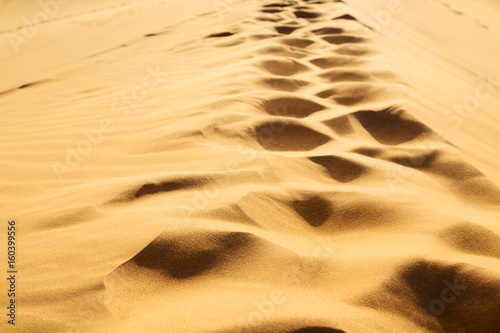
x=252 y=166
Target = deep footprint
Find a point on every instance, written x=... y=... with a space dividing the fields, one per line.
x=337 y=40
x=335 y=61
x=314 y=210
x=284 y=84
x=340 y=168
x=285 y=30
x=291 y=107
x=284 y=67
x=285 y=136
x=391 y=126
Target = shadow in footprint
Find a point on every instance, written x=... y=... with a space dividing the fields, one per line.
x=155 y=188
x=221 y=34
x=291 y=107
x=345 y=17
x=278 y=5
x=297 y=42
x=391 y=126
x=284 y=67
x=268 y=19
x=441 y=297
x=339 y=168
x=351 y=49
x=284 y=84
x=262 y=36
x=151 y=188
x=356 y=98
x=185 y=257
x=368 y=151
x=317 y=329
x=340 y=125
x=306 y=15
x=341 y=75
x=335 y=61
x=328 y=31
x=315 y=210
x=437 y=162
x=285 y=30
x=286 y=136
x=351 y=18
x=271 y=11
x=338 y=40
x=285 y=53
x=352 y=93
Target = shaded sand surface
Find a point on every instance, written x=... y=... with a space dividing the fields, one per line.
x=253 y=166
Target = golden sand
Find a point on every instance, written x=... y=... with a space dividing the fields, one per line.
x=252 y=166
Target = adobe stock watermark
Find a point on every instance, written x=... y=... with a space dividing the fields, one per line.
x=382 y=18
x=451 y=293
x=448 y=295
x=454 y=117
x=469 y=104
x=92 y=138
x=31 y=26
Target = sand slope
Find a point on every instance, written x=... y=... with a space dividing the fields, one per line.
x=291 y=166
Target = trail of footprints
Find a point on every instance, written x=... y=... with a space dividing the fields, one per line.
x=345 y=92
x=317 y=83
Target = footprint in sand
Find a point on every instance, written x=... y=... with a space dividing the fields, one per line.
x=280 y=135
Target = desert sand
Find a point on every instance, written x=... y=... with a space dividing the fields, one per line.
x=251 y=166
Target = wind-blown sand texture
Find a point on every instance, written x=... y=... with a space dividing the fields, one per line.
x=253 y=166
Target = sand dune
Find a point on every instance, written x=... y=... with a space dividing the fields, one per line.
x=253 y=166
